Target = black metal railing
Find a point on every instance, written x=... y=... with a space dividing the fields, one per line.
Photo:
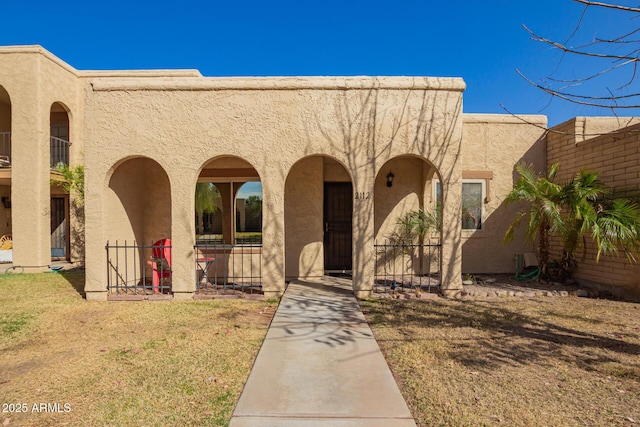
x=5 y=149
x=407 y=266
x=59 y=151
x=135 y=269
x=226 y=269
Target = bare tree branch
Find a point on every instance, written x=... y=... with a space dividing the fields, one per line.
x=591 y=101
x=608 y=5
x=593 y=66
x=566 y=49
x=523 y=119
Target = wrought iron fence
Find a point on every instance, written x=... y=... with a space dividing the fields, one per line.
x=5 y=148
x=59 y=151
x=137 y=269
x=226 y=268
x=407 y=265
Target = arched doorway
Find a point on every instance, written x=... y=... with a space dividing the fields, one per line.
x=59 y=145
x=6 y=254
x=407 y=224
x=137 y=215
x=318 y=219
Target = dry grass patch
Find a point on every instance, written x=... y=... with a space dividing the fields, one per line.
x=513 y=361
x=122 y=363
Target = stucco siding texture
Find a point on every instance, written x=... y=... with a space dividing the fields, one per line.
x=34 y=80
x=616 y=156
x=358 y=123
x=497 y=143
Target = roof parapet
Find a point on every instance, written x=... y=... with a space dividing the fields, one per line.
x=283 y=83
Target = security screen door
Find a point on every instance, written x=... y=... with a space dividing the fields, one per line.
x=338 y=214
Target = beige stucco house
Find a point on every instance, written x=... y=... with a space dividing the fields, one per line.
x=339 y=160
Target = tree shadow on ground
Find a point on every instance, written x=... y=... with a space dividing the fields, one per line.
x=487 y=335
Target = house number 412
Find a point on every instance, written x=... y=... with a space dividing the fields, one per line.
x=362 y=195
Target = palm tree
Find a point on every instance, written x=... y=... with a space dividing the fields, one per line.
x=610 y=222
x=205 y=203
x=573 y=211
x=413 y=227
x=544 y=214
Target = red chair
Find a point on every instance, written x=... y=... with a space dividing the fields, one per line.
x=160 y=262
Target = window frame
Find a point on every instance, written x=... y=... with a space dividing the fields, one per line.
x=483 y=198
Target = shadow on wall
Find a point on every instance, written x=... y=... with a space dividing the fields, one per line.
x=138 y=206
x=482 y=250
x=373 y=127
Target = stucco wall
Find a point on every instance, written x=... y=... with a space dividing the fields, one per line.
x=496 y=143
x=615 y=156
x=175 y=122
x=271 y=123
x=34 y=80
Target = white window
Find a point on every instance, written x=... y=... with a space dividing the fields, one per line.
x=473 y=197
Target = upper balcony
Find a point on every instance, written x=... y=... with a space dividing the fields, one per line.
x=58 y=150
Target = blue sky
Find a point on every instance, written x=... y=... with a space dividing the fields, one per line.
x=480 y=41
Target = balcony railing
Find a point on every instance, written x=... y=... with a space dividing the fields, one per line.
x=5 y=149
x=59 y=151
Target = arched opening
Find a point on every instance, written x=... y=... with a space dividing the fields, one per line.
x=136 y=216
x=318 y=206
x=224 y=186
x=228 y=213
x=407 y=223
x=59 y=161
x=59 y=136
x=6 y=246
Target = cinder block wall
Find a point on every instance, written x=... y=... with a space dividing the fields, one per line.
x=616 y=156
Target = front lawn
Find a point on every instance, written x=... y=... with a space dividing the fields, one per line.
x=121 y=363
x=513 y=361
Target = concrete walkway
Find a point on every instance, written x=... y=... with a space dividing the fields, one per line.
x=320 y=366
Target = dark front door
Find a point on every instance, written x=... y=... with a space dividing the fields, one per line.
x=59 y=228
x=338 y=214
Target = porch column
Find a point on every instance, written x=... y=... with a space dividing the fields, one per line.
x=451 y=262
x=363 y=234
x=273 y=275
x=96 y=269
x=30 y=201
x=183 y=232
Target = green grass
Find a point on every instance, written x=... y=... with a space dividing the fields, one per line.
x=13 y=324
x=513 y=361
x=123 y=363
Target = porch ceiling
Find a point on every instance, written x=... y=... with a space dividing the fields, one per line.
x=249 y=174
